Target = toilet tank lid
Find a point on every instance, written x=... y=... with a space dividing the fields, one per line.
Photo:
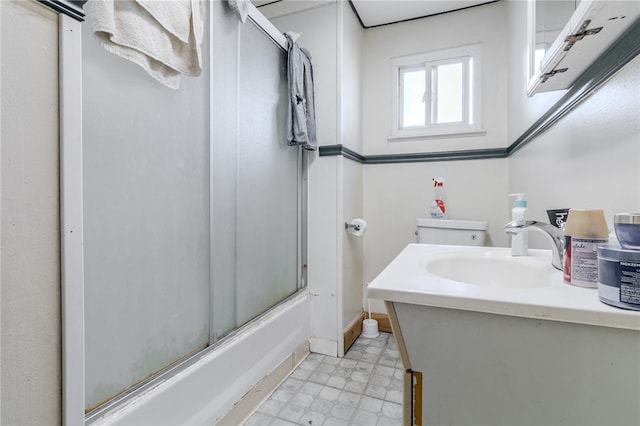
x=452 y=224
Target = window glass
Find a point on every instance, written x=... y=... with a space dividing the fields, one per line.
x=448 y=91
x=413 y=97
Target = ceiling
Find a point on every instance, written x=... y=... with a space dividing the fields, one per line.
x=378 y=12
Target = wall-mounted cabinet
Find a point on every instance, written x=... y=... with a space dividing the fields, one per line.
x=592 y=28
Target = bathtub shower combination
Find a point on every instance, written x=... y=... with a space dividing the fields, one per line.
x=192 y=207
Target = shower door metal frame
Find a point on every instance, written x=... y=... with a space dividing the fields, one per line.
x=71 y=221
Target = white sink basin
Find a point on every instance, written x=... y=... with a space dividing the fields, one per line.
x=490 y=268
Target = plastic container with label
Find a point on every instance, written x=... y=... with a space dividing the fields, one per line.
x=619 y=277
x=584 y=232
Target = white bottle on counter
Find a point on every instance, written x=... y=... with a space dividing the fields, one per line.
x=519 y=242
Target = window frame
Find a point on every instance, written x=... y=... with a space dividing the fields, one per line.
x=471 y=58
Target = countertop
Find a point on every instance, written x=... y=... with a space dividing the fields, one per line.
x=406 y=280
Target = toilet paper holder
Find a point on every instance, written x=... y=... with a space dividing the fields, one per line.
x=354 y=226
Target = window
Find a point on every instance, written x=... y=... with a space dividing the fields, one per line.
x=437 y=93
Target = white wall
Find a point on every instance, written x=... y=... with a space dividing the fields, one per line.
x=350 y=64
x=485 y=25
x=324 y=257
x=29 y=244
x=351 y=72
x=589 y=159
x=352 y=258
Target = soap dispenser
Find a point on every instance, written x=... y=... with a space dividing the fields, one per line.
x=519 y=242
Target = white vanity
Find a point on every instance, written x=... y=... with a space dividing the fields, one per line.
x=490 y=339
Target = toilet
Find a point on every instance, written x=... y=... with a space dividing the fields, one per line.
x=452 y=232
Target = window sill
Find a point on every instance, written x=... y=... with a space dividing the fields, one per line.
x=434 y=134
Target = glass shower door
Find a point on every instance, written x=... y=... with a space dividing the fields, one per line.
x=146 y=221
x=192 y=206
x=256 y=179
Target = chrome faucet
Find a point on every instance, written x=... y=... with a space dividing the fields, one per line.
x=554 y=234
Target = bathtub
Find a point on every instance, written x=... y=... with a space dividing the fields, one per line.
x=210 y=388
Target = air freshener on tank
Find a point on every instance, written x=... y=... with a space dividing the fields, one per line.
x=584 y=232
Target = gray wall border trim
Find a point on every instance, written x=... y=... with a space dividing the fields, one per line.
x=625 y=49
x=478 y=154
x=352 y=155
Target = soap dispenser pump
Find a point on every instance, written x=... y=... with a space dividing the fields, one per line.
x=519 y=242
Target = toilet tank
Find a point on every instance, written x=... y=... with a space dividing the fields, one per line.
x=452 y=232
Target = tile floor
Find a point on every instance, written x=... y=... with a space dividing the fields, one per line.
x=363 y=388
